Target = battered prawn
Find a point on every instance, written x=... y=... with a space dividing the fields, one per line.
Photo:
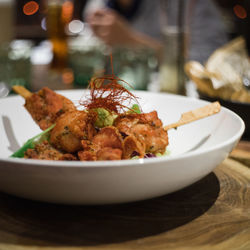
x=71 y=128
x=45 y=151
x=107 y=144
x=143 y=134
x=45 y=106
x=75 y=131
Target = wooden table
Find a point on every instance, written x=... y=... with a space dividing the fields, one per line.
x=213 y=213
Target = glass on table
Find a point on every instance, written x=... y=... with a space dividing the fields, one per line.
x=15 y=65
x=174 y=14
x=172 y=76
x=6 y=21
x=86 y=57
x=59 y=15
x=135 y=66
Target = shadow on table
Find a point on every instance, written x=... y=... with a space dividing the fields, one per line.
x=59 y=225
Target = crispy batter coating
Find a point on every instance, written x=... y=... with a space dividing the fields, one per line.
x=125 y=121
x=107 y=137
x=46 y=106
x=155 y=139
x=75 y=136
x=132 y=135
x=133 y=147
x=87 y=155
x=109 y=154
x=146 y=128
x=70 y=129
x=107 y=144
x=44 y=151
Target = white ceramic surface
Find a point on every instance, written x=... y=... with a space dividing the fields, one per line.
x=117 y=181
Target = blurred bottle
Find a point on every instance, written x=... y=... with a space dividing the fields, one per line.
x=172 y=77
x=174 y=32
x=6 y=21
x=59 y=15
x=6 y=36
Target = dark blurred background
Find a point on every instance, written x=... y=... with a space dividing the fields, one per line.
x=31 y=23
x=77 y=60
x=30 y=18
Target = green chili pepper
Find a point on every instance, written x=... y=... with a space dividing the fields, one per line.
x=31 y=143
x=136 y=109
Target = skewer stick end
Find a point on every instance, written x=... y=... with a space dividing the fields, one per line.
x=22 y=91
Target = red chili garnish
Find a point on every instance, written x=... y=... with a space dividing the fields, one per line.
x=107 y=92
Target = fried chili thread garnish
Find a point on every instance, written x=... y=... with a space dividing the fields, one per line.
x=107 y=92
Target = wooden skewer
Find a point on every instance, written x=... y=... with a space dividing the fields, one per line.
x=22 y=91
x=187 y=117
x=196 y=114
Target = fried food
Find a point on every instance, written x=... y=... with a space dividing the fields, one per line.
x=45 y=151
x=70 y=129
x=107 y=144
x=146 y=128
x=105 y=130
x=45 y=106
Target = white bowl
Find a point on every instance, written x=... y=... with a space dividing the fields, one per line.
x=107 y=182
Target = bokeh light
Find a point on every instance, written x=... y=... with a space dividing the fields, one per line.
x=240 y=11
x=44 y=23
x=67 y=76
x=67 y=11
x=30 y=8
x=76 y=26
